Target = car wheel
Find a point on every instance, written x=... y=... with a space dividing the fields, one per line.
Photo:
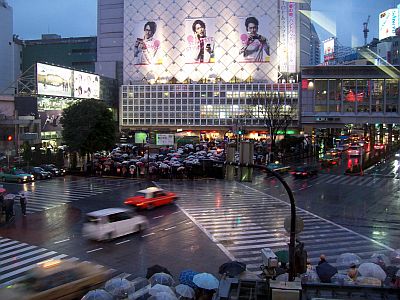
x=140 y=227
x=19 y=180
x=108 y=237
x=150 y=207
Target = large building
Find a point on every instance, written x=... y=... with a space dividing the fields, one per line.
x=7 y=75
x=175 y=78
x=76 y=52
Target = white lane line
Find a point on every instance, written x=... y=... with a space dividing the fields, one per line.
x=148 y=234
x=62 y=241
x=169 y=228
x=94 y=250
x=177 y=212
x=188 y=223
x=158 y=217
x=123 y=242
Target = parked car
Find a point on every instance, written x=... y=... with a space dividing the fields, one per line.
x=53 y=170
x=57 y=279
x=38 y=172
x=110 y=223
x=150 y=198
x=15 y=175
x=305 y=171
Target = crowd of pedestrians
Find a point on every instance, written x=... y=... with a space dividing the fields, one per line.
x=7 y=204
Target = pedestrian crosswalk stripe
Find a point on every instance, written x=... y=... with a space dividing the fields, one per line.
x=5 y=255
x=5 y=261
x=242 y=226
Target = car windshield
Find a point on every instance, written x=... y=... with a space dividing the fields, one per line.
x=140 y=194
x=37 y=169
x=18 y=172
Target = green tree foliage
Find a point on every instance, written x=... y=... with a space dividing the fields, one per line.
x=27 y=152
x=88 y=127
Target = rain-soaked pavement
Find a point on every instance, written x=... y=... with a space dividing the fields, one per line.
x=212 y=222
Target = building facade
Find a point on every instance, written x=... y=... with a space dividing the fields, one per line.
x=174 y=79
x=78 y=52
x=315 y=47
x=6 y=48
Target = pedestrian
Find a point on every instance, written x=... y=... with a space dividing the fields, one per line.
x=23 y=201
x=322 y=259
x=9 y=205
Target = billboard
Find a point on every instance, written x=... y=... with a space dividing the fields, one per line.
x=86 y=85
x=50 y=120
x=254 y=44
x=165 y=139
x=200 y=42
x=147 y=46
x=54 y=81
x=329 y=49
x=388 y=22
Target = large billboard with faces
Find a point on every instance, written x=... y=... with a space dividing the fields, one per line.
x=86 y=85
x=195 y=39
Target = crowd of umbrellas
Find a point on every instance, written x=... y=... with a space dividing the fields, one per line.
x=168 y=162
x=159 y=284
x=351 y=269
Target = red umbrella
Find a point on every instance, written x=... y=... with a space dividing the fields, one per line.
x=2 y=190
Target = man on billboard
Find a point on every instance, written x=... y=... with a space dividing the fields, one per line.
x=200 y=46
x=255 y=46
x=146 y=48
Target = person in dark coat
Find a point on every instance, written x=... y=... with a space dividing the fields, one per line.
x=23 y=201
x=9 y=204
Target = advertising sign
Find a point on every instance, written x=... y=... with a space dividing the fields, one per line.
x=165 y=139
x=329 y=49
x=283 y=46
x=254 y=45
x=50 y=120
x=86 y=85
x=54 y=81
x=147 y=47
x=140 y=137
x=292 y=38
x=200 y=43
x=388 y=22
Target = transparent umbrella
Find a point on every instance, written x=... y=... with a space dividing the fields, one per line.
x=159 y=288
x=97 y=295
x=206 y=281
x=348 y=259
x=163 y=296
x=185 y=291
x=118 y=287
x=162 y=278
x=380 y=259
x=372 y=270
x=395 y=256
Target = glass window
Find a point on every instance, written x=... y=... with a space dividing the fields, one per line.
x=349 y=94
x=334 y=96
x=362 y=96
x=377 y=86
x=392 y=95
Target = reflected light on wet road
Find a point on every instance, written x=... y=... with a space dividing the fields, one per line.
x=218 y=200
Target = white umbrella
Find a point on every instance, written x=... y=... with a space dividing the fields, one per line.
x=185 y=291
x=206 y=281
x=347 y=259
x=372 y=270
x=162 y=278
x=98 y=295
x=118 y=287
x=163 y=296
x=380 y=258
x=158 y=288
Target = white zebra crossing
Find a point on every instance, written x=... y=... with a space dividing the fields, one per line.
x=44 y=195
x=18 y=258
x=245 y=223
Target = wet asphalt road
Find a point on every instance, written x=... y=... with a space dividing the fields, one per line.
x=215 y=220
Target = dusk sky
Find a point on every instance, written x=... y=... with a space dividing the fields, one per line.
x=71 y=18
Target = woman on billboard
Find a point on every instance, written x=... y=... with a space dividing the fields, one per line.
x=146 y=47
x=255 y=46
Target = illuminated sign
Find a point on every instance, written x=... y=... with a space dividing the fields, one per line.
x=329 y=49
x=292 y=38
x=140 y=137
x=200 y=42
x=283 y=48
x=86 y=85
x=165 y=139
x=53 y=81
x=146 y=43
x=388 y=22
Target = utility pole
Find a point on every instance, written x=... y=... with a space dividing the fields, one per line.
x=366 y=30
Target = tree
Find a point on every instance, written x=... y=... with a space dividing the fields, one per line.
x=88 y=126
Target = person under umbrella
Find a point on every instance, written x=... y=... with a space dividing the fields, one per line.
x=325 y=271
x=185 y=291
x=161 y=278
x=186 y=277
x=98 y=294
x=232 y=268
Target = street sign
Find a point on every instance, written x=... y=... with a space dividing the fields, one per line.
x=299 y=224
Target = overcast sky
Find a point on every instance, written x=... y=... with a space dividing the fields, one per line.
x=71 y=18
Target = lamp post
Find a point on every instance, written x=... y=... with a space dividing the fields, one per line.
x=292 y=241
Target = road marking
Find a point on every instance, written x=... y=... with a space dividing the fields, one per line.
x=169 y=228
x=188 y=223
x=123 y=242
x=90 y=251
x=177 y=212
x=66 y=240
x=158 y=217
x=148 y=234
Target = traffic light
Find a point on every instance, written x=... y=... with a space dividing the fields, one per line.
x=240 y=132
x=9 y=138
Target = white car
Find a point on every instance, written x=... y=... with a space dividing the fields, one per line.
x=110 y=223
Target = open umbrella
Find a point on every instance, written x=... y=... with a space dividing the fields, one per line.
x=206 y=281
x=158 y=288
x=186 y=277
x=98 y=294
x=372 y=270
x=232 y=268
x=2 y=190
x=118 y=287
x=380 y=259
x=163 y=296
x=395 y=256
x=161 y=278
x=348 y=259
x=185 y=291
x=325 y=272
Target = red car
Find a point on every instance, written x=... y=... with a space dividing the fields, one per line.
x=150 y=198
